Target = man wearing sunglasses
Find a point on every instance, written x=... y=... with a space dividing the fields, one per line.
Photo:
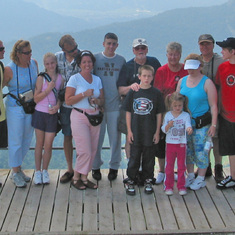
x=3 y=138
x=128 y=77
x=67 y=66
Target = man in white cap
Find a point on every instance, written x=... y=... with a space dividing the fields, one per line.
x=128 y=77
x=211 y=63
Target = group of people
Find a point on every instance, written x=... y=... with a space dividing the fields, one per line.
x=131 y=97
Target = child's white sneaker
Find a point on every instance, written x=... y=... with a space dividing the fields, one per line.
x=45 y=177
x=37 y=177
x=169 y=192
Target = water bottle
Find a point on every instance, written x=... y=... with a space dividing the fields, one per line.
x=208 y=144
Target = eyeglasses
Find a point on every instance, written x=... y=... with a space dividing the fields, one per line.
x=140 y=48
x=26 y=52
x=2 y=48
x=73 y=50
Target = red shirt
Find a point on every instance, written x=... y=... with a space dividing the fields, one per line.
x=225 y=79
x=166 y=80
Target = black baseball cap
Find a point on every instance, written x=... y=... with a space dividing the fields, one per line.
x=228 y=42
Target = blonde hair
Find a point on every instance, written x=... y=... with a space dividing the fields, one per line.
x=176 y=96
x=18 y=47
x=47 y=55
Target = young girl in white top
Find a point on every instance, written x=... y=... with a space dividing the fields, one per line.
x=175 y=124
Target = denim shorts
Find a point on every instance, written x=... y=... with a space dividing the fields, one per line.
x=65 y=120
x=44 y=121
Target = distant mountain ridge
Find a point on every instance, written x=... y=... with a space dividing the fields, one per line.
x=181 y=25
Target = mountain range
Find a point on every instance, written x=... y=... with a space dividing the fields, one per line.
x=182 y=25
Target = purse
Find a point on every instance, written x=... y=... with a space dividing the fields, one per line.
x=95 y=119
x=203 y=120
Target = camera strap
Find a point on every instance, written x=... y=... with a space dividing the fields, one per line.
x=48 y=78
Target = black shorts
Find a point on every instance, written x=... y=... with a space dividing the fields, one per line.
x=44 y=121
x=160 y=148
x=226 y=136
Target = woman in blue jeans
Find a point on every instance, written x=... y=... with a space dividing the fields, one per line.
x=20 y=76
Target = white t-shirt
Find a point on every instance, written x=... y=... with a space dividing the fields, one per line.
x=177 y=133
x=81 y=85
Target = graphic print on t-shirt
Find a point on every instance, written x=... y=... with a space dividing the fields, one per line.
x=142 y=106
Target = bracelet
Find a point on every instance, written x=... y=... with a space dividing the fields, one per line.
x=83 y=95
x=214 y=125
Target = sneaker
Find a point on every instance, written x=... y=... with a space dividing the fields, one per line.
x=18 y=180
x=112 y=174
x=189 y=181
x=130 y=187
x=37 y=178
x=66 y=177
x=228 y=182
x=96 y=174
x=160 y=178
x=169 y=192
x=45 y=177
x=219 y=173
x=148 y=187
x=182 y=192
x=197 y=184
x=24 y=176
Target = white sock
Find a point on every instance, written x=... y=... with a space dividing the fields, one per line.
x=191 y=175
x=201 y=177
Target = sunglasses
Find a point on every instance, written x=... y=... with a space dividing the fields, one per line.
x=26 y=52
x=73 y=50
x=140 y=48
x=2 y=48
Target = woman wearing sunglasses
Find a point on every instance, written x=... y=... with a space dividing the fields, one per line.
x=85 y=93
x=20 y=77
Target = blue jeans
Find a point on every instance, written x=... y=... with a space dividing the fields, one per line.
x=20 y=133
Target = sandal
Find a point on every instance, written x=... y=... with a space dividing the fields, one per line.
x=78 y=184
x=89 y=184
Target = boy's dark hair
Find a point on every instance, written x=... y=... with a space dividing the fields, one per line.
x=111 y=36
x=146 y=67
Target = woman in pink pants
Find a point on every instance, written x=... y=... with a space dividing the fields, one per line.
x=85 y=93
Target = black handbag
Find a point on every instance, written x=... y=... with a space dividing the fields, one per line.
x=95 y=119
x=203 y=120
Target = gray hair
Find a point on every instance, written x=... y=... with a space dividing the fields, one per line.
x=174 y=46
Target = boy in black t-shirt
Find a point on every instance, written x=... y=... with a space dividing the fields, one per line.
x=144 y=110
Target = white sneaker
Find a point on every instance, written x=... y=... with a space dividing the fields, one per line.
x=160 y=178
x=197 y=184
x=169 y=192
x=18 y=180
x=189 y=181
x=45 y=177
x=37 y=177
x=182 y=192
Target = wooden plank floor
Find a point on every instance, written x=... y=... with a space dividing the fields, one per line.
x=61 y=209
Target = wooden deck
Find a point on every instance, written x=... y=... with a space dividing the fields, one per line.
x=61 y=209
